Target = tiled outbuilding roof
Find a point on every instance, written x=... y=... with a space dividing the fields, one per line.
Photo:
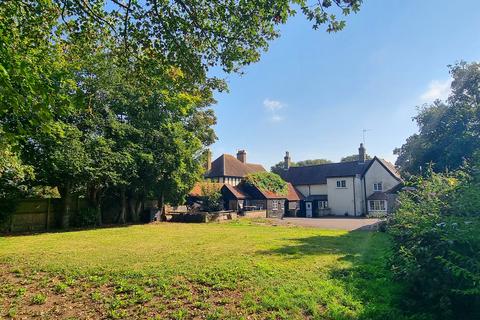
x=228 y=166
x=243 y=191
x=378 y=195
x=197 y=190
x=237 y=192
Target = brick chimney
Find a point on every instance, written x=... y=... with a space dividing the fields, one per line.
x=208 y=163
x=242 y=156
x=362 y=153
x=286 y=160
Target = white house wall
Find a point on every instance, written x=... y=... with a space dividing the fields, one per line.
x=359 y=196
x=341 y=200
x=377 y=173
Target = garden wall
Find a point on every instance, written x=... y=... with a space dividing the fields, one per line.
x=255 y=214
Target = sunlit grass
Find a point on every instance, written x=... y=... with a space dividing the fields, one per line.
x=216 y=271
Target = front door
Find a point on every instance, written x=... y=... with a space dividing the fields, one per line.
x=308 y=209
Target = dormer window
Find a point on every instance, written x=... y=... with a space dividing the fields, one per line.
x=378 y=186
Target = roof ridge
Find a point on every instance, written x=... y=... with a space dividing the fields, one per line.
x=330 y=163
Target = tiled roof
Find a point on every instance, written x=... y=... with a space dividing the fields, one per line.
x=377 y=195
x=237 y=192
x=228 y=166
x=243 y=191
x=321 y=197
x=390 y=166
x=318 y=174
x=197 y=188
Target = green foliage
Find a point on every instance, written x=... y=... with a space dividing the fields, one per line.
x=86 y=217
x=448 y=131
x=13 y=176
x=280 y=167
x=39 y=298
x=437 y=246
x=211 y=198
x=267 y=181
x=354 y=157
x=108 y=97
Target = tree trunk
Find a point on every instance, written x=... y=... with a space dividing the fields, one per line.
x=139 y=209
x=66 y=193
x=96 y=200
x=123 y=211
x=161 y=209
x=132 y=205
x=98 y=209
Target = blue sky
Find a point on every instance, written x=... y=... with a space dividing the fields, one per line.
x=313 y=93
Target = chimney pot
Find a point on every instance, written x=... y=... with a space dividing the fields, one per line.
x=362 y=153
x=287 y=160
x=242 y=156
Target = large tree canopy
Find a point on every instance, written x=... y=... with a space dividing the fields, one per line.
x=449 y=131
x=112 y=97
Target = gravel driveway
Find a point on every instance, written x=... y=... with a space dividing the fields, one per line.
x=332 y=223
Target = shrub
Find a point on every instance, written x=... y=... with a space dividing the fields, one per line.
x=211 y=198
x=86 y=217
x=437 y=247
x=267 y=181
x=39 y=298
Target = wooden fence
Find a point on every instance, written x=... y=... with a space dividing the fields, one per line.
x=33 y=215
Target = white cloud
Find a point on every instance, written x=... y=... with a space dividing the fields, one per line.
x=273 y=105
x=436 y=90
x=276 y=118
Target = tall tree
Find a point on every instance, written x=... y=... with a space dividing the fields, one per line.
x=449 y=132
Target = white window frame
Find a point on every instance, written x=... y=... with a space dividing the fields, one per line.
x=341 y=184
x=378 y=186
x=274 y=205
x=323 y=204
x=377 y=205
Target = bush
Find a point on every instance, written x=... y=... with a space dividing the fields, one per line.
x=211 y=198
x=267 y=181
x=86 y=217
x=437 y=247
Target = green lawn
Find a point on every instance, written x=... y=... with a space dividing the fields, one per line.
x=238 y=270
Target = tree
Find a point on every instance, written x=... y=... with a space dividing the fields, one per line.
x=449 y=132
x=354 y=157
x=279 y=167
x=107 y=96
x=13 y=178
x=211 y=198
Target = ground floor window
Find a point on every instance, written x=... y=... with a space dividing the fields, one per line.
x=378 y=205
x=274 y=205
x=323 y=204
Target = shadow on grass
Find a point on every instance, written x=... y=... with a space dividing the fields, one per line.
x=69 y=230
x=360 y=269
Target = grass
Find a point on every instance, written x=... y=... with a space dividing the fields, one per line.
x=239 y=270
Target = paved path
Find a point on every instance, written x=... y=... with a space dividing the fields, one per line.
x=332 y=223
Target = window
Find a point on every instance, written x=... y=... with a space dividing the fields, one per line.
x=274 y=205
x=378 y=205
x=377 y=186
x=341 y=183
x=322 y=204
